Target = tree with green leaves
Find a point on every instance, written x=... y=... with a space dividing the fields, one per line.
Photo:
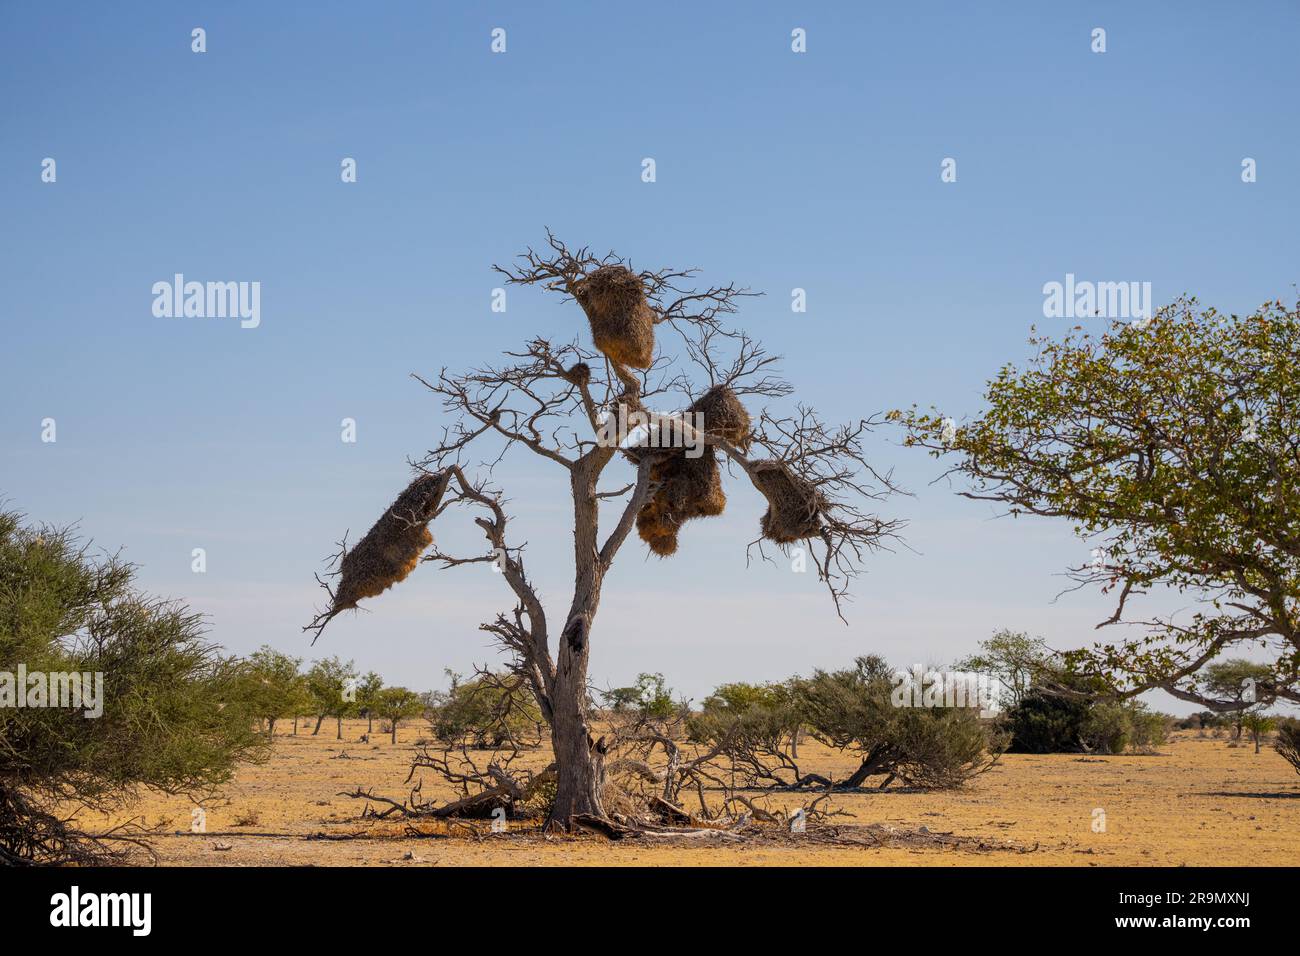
x=279 y=688
x=395 y=704
x=1014 y=659
x=1171 y=447
x=368 y=688
x=332 y=685
x=487 y=710
x=1258 y=725
x=649 y=697
x=1236 y=679
x=175 y=715
x=854 y=710
x=1288 y=743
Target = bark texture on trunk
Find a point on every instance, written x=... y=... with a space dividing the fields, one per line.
x=579 y=758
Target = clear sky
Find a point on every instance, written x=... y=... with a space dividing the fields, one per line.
x=817 y=170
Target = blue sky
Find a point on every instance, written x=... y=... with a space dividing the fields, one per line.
x=774 y=169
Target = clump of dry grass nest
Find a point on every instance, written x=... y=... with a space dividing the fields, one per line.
x=389 y=551
x=691 y=487
x=794 y=505
x=622 y=321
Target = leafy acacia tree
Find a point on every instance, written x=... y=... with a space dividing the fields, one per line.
x=329 y=682
x=553 y=400
x=1236 y=680
x=176 y=714
x=395 y=704
x=368 y=688
x=487 y=710
x=279 y=689
x=1173 y=446
x=1014 y=659
x=650 y=696
x=852 y=710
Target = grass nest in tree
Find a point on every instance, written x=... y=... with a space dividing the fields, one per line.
x=723 y=415
x=794 y=505
x=691 y=487
x=622 y=322
x=391 y=549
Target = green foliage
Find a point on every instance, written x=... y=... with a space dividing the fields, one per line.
x=1069 y=720
x=930 y=747
x=278 y=688
x=177 y=714
x=1014 y=658
x=852 y=710
x=485 y=712
x=1044 y=723
x=649 y=697
x=1171 y=445
x=1288 y=744
x=750 y=716
x=369 y=688
x=327 y=684
x=398 y=703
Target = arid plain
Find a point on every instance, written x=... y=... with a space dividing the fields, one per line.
x=1199 y=801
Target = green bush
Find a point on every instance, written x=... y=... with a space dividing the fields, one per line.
x=177 y=714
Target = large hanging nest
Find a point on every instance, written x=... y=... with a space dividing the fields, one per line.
x=390 y=550
x=691 y=488
x=622 y=322
x=794 y=506
x=724 y=416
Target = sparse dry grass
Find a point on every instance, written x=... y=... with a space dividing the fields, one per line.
x=1198 y=802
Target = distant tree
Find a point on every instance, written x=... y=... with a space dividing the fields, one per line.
x=1236 y=680
x=650 y=696
x=332 y=685
x=1070 y=715
x=1170 y=445
x=395 y=704
x=1046 y=723
x=739 y=701
x=279 y=689
x=487 y=710
x=176 y=715
x=1258 y=725
x=1014 y=659
x=368 y=688
x=851 y=710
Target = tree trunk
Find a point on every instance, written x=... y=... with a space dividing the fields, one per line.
x=270 y=729
x=394 y=731
x=320 y=719
x=370 y=723
x=339 y=719
x=295 y=726
x=579 y=759
x=579 y=765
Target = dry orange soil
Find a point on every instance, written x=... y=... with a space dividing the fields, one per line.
x=1199 y=801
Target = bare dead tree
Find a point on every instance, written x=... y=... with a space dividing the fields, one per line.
x=551 y=399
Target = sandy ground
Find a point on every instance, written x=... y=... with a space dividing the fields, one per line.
x=1199 y=802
